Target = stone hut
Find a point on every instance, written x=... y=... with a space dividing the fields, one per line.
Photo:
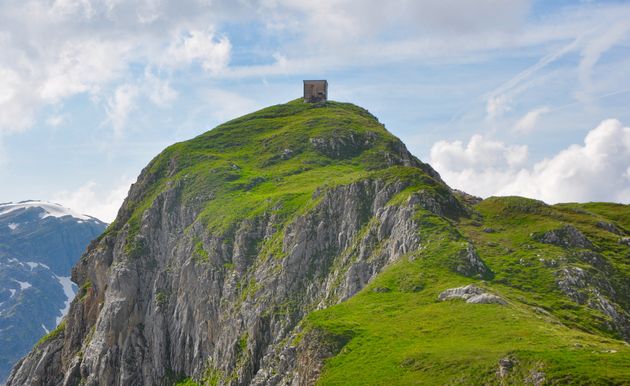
x=315 y=91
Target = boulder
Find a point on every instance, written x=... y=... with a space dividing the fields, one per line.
x=566 y=236
x=472 y=294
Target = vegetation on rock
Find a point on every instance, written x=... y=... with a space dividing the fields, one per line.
x=303 y=243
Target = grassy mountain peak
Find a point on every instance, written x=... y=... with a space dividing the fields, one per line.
x=396 y=330
x=311 y=246
x=277 y=157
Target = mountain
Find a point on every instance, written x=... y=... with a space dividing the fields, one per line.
x=303 y=243
x=39 y=244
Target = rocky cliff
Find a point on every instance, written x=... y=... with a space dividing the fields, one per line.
x=303 y=243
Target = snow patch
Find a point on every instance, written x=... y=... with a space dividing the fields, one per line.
x=50 y=209
x=34 y=265
x=23 y=284
x=69 y=290
x=12 y=291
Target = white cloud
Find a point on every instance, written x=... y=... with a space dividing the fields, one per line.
x=529 y=121
x=352 y=20
x=55 y=120
x=120 y=106
x=479 y=166
x=83 y=66
x=54 y=50
x=94 y=200
x=479 y=154
x=9 y=81
x=3 y=158
x=61 y=48
x=497 y=105
x=595 y=171
x=499 y=100
x=226 y=105
x=125 y=98
x=212 y=52
x=15 y=113
x=158 y=90
x=592 y=51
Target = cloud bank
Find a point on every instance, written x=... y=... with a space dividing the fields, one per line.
x=597 y=170
x=93 y=200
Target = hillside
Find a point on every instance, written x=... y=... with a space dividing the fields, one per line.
x=303 y=243
x=39 y=244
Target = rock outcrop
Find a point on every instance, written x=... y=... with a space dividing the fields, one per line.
x=598 y=289
x=567 y=236
x=471 y=294
x=168 y=298
x=241 y=257
x=468 y=263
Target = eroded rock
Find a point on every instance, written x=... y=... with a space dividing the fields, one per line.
x=194 y=303
x=610 y=227
x=567 y=236
x=595 y=289
x=505 y=367
x=471 y=294
x=468 y=263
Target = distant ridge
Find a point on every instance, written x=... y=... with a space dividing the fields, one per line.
x=39 y=243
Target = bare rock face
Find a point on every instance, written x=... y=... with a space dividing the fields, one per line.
x=343 y=144
x=40 y=367
x=468 y=263
x=505 y=367
x=597 y=289
x=472 y=294
x=567 y=236
x=612 y=228
x=165 y=310
x=486 y=298
x=167 y=293
x=315 y=347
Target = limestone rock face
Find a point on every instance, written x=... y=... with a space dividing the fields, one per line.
x=170 y=291
x=231 y=311
x=567 y=236
x=229 y=246
x=471 y=294
x=612 y=228
x=469 y=263
x=598 y=289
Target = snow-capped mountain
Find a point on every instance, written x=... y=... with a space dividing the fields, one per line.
x=39 y=243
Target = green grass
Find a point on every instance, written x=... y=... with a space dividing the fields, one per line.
x=53 y=334
x=84 y=290
x=186 y=382
x=267 y=161
x=201 y=253
x=401 y=334
x=407 y=337
x=275 y=162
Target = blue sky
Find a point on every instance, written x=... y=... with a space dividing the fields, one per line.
x=502 y=97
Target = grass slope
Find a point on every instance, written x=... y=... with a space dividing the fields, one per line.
x=272 y=160
x=408 y=337
x=395 y=331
